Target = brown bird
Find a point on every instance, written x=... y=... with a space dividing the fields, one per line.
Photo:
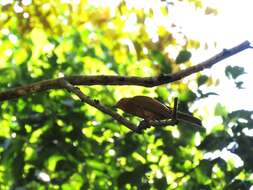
x=151 y=109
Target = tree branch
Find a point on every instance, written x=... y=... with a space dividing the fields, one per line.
x=97 y=104
x=144 y=124
x=121 y=80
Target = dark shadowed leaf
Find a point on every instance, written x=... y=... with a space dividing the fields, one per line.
x=183 y=56
x=239 y=85
x=202 y=80
x=133 y=177
x=234 y=72
x=239 y=185
x=161 y=183
x=162 y=61
x=215 y=141
x=203 y=172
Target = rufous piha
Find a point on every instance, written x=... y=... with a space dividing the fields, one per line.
x=151 y=109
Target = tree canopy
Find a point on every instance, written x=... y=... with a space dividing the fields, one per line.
x=52 y=140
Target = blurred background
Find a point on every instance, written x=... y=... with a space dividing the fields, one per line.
x=51 y=140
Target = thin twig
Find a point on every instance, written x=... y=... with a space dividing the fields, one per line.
x=174 y=113
x=121 y=80
x=97 y=104
x=144 y=124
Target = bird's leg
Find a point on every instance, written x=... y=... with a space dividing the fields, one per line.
x=144 y=124
x=174 y=111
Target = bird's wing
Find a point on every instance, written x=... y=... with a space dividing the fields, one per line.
x=154 y=106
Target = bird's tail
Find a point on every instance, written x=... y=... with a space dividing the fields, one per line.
x=189 y=119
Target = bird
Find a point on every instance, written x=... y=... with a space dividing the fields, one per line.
x=151 y=109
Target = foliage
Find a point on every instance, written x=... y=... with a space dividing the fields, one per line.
x=234 y=72
x=51 y=140
x=183 y=56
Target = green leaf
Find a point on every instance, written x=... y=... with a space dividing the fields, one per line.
x=221 y=163
x=183 y=56
x=187 y=96
x=6 y=74
x=204 y=171
x=234 y=72
x=162 y=92
x=245 y=151
x=96 y=165
x=220 y=110
x=239 y=85
x=202 y=80
x=162 y=61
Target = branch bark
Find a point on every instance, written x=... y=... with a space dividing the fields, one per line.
x=144 y=124
x=95 y=103
x=121 y=80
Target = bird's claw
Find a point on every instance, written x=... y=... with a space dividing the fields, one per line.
x=143 y=125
